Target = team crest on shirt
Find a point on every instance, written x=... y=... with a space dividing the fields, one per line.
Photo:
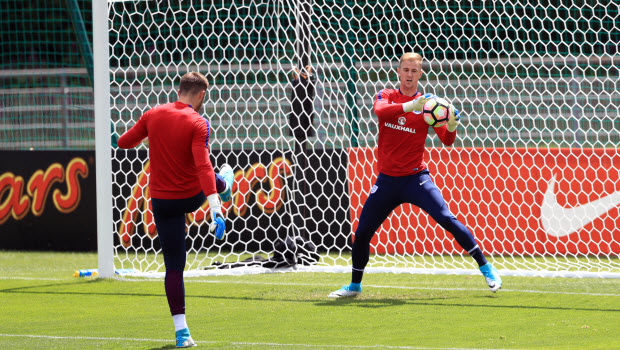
x=402 y=121
x=373 y=189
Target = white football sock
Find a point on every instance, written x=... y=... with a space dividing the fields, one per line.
x=179 y=322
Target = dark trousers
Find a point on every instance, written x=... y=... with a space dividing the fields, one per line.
x=388 y=193
x=169 y=216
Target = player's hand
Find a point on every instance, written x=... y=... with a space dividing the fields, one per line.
x=218 y=224
x=454 y=120
x=417 y=105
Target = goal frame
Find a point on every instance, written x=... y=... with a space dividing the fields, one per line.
x=105 y=221
x=103 y=144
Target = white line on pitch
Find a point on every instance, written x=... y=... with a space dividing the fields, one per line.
x=239 y=343
x=32 y=278
x=190 y=280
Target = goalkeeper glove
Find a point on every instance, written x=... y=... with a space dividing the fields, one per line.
x=218 y=225
x=454 y=119
x=417 y=105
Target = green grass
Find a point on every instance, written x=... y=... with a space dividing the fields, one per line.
x=44 y=307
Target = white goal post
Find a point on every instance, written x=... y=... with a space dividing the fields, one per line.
x=534 y=173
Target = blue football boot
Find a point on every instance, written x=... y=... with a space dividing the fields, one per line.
x=491 y=275
x=229 y=176
x=184 y=339
x=352 y=290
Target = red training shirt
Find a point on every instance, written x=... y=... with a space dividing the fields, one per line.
x=402 y=135
x=178 y=150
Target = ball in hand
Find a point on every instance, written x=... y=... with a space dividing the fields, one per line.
x=436 y=112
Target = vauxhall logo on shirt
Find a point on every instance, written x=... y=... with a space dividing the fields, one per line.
x=400 y=127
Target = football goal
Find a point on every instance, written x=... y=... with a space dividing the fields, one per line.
x=534 y=172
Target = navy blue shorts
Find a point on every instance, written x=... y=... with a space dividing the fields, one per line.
x=419 y=189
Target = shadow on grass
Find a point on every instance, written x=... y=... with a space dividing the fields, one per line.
x=367 y=302
x=362 y=303
x=169 y=346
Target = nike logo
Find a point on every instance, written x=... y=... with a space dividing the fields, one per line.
x=423 y=182
x=558 y=221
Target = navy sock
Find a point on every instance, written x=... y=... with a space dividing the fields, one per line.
x=220 y=184
x=477 y=254
x=175 y=291
x=356 y=276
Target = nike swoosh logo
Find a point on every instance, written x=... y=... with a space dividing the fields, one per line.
x=423 y=182
x=558 y=221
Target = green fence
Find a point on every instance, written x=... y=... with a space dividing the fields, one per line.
x=482 y=54
x=46 y=99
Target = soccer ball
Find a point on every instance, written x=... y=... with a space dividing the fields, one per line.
x=436 y=112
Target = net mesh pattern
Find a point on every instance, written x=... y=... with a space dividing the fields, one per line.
x=533 y=172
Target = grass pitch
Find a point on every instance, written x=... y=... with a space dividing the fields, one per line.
x=44 y=307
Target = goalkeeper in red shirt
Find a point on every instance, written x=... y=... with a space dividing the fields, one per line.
x=403 y=176
x=181 y=178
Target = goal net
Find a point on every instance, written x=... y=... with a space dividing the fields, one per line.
x=534 y=172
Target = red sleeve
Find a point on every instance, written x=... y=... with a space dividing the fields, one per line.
x=200 y=151
x=136 y=134
x=384 y=109
x=446 y=137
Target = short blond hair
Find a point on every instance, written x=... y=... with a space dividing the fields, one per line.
x=192 y=83
x=410 y=56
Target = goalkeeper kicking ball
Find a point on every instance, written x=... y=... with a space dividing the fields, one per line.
x=436 y=112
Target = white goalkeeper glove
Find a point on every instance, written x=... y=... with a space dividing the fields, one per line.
x=454 y=119
x=417 y=105
x=218 y=224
